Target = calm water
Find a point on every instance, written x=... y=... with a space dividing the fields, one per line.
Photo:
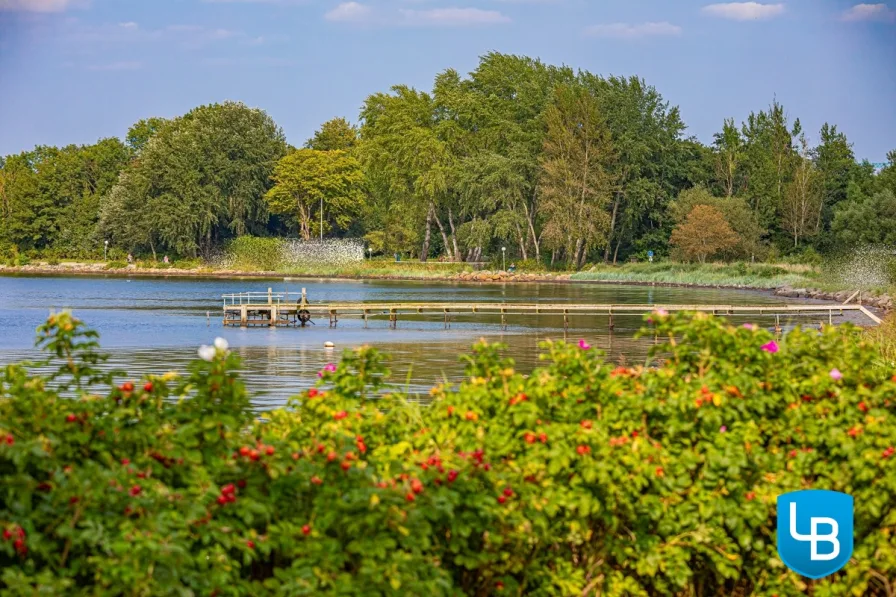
x=155 y=324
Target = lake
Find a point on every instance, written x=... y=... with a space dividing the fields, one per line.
x=154 y=325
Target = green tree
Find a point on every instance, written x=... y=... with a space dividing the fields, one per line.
x=728 y=146
x=141 y=131
x=335 y=134
x=200 y=179
x=577 y=182
x=869 y=220
x=802 y=203
x=307 y=180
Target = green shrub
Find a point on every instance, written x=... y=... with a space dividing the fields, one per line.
x=22 y=259
x=52 y=261
x=116 y=265
x=255 y=253
x=579 y=479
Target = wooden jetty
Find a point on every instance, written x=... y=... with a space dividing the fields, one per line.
x=276 y=309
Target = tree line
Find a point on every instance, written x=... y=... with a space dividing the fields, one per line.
x=560 y=166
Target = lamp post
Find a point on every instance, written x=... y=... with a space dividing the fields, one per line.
x=105 y=249
x=369 y=253
x=504 y=258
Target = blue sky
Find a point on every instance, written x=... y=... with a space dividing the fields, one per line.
x=72 y=71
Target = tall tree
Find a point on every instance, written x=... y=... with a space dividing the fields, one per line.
x=577 y=183
x=802 y=202
x=308 y=180
x=703 y=234
x=728 y=145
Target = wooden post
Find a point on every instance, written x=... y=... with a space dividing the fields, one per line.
x=612 y=325
x=274 y=316
x=365 y=318
x=565 y=320
x=244 y=315
x=270 y=300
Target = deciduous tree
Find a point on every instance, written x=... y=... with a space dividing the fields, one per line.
x=704 y=234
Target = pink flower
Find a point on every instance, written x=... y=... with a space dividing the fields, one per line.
x=661 y=312
x=328 y=368
x=723 y=429
x=771 y=347
x=836 y=375
x=584 y=345
x=750 y=326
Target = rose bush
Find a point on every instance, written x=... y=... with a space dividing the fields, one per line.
x=579 y=479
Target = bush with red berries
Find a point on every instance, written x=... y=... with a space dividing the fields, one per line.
x=580 y=479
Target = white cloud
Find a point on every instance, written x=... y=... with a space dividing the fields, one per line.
x=40 y=5
x=627 y=31
x=452 y=17
x=870 y=12
x=349 y=12
x=744 y=11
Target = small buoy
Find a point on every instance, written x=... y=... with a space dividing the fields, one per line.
x=329 y=345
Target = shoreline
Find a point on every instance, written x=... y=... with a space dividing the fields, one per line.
x=884 y=302
x=481 y=277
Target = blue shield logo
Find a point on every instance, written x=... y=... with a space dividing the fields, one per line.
x=815 y=531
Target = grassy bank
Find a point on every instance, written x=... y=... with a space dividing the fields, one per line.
x=709 y=274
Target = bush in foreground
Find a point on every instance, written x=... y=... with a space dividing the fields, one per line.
x=581 y=479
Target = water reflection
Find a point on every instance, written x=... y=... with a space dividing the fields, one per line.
x=155 y=325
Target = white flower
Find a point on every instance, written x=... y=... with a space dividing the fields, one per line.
x=207 y=353
x=221 y=344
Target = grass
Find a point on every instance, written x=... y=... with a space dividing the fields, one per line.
x=758 y=275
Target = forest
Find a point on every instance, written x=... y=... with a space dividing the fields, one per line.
x=561 y=167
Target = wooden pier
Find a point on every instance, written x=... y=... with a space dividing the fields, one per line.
x=282 y=309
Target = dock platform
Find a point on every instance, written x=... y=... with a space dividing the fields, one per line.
x=287 y=309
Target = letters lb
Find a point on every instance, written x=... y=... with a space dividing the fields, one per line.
x=815 y=531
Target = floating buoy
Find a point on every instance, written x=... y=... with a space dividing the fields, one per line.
x=329 y=345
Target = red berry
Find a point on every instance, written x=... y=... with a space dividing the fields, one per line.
x=410 y=497
x=471 y=416
x=586 y=424
x=227 y=489
x=19 y=544
x=306 y=530
x=230 y=498
x=316 y=480
x=20 y=532
x=634 y=434
x=530 y=438
x=6 y=534
x=346 y=465
x=863 y=407
x=340 y=415
x=222 y=499
x=125 y=461
x=147 y=387
x=452 y=475
x=508 y=491
x=241 y=483
x=416 y=486
x=71 y=418
x=250 y=544
x=582 y=450
x=312 y=392
x=502 y=499
x=10 y=439
x=253 y=454
x=135 y=490
x=73 y=500
x=269 y=450
x=499 y=586
x=750 y=496
x=543 y=438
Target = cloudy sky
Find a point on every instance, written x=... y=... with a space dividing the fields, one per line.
x=72 y=71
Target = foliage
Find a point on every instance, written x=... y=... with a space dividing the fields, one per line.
x=703 y=234
x=579 y=479
x=458 y=171
x=333 y=135
x=199 y=180
x=116 y=265
x=308 y=179
x=736 y=212
x=867 y=221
